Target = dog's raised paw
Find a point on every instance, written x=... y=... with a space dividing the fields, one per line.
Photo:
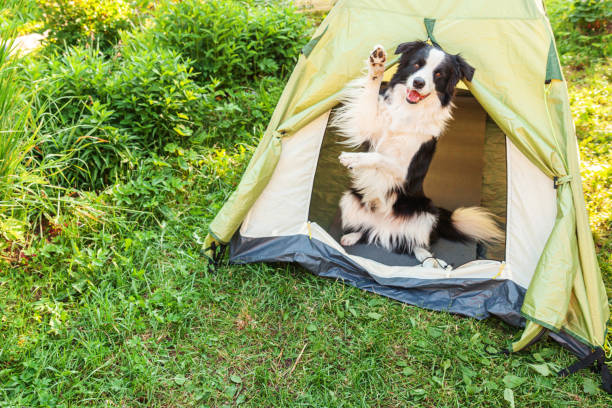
x=378 y=57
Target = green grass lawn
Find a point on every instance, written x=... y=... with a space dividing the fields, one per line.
x=115 y=308
x=136 y=320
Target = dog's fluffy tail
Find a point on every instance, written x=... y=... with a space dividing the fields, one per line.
x=469 y=224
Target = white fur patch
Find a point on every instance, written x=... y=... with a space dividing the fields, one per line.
x=477 y=223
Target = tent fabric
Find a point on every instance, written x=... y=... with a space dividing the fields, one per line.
x=509 y=44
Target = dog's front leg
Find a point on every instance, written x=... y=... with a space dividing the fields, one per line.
x=366 y=115
x=427 y=259
x=373 y=160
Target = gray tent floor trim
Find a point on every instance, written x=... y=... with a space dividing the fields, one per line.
x=477 y=298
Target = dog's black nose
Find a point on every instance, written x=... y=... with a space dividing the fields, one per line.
x=418 y=82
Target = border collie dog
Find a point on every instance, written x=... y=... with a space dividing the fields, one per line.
x=400 y=126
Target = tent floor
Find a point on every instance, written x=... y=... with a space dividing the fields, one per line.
x=453 y=253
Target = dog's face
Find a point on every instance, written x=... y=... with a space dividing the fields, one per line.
x=425 y=71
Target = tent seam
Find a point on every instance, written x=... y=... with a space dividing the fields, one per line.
x=540 y=322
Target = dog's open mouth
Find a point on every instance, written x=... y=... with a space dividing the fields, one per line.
x=415 y=96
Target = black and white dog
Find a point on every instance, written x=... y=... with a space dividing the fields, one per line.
x=386 y=205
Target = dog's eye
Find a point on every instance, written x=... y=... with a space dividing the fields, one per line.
x=438 y=75
x=417 y=65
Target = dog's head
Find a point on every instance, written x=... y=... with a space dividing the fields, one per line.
x=426 y=71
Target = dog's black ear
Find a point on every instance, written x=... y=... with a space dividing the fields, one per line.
x=410 y=47
x=466 y=70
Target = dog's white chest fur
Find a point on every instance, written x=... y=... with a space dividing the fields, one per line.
x=395 y=133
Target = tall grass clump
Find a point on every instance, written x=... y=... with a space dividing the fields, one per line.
x=16 y=142
x=30 y=205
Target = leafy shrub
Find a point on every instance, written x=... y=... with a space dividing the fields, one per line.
x=232 y=41
x=19 y=14
x=105 y=113
x=242 y=112
x=592 y=16
x=153 y=94
x=153 y=183
x=75 y=22
x=582 y=30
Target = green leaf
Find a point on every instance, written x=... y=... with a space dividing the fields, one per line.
x=491 y=349
x=473 y=389
x=446 y=364
x=513 y=381
x=374 y=315
x=236 y=379
x=491 y=385
x=467 y=380
x=509 y=396
x=407 y=371
x=311 y=327
x=180 y=379
x=230 y=391
x=437 y=380
x=463 y=357
x=541 y=369
x=589 y=386
x=434 y=332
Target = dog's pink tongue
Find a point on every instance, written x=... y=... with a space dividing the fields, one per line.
x=414 y=96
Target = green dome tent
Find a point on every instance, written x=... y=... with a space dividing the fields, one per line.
x=511 y=148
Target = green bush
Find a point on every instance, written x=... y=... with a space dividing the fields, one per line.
x=75 y=22
x=153 y=94
x=582 y=30
x=105 y=113
x=232 y=41
x=592 y=16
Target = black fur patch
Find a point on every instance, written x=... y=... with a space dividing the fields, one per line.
x=445 y=229
x=411 y=197
x=413 y=185
x=448 y=74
